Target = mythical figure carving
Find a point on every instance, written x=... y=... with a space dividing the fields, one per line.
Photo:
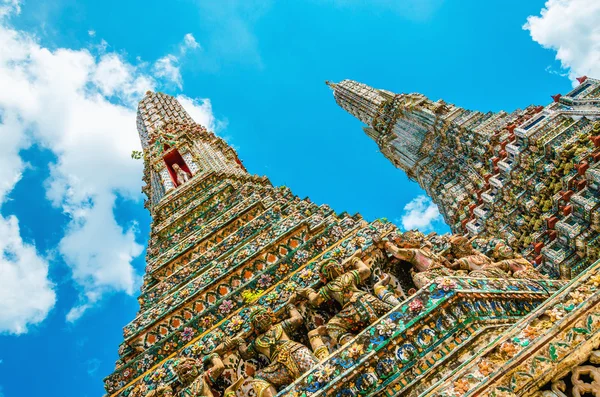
x=289 y=359
x=181 y=175
x=198 y=383
x=426 y=264
x=509 y=261
x=500 y=261
x=359 y=308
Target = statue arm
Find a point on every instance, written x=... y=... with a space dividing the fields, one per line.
x=405 y=254
x=313 y=297
x=295 y=320
x=246 y=351
x=364 y=271
x=502 y=265
x=216 y=369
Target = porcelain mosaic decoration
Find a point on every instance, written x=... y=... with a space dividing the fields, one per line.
x=252 y=291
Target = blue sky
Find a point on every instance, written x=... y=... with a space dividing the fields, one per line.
x=72 y=225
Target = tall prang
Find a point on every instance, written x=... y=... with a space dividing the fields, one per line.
x=252 y=291
x=220 y=238
x=530 y=177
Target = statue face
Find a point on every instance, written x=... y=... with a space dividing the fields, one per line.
x=503 y=251
x=262 y=322
x=331 y=270
x=459 y=245
x=187 y=371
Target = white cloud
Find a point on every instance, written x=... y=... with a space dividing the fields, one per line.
x=200 y=110
x=81 y=106
x=420 y=213
x=26 y=294
x=92 y=33
x=8 y=7
x=189 y=42
x=571 y=28
x=167 y=67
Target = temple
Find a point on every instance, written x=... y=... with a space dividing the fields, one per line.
x=252 y=291
x=530 y=177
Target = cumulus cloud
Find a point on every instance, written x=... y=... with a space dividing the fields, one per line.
x=81 y=106
x=420 y=213
x=8 y=7
x=26 y=293
x=168 y=66
x=189 y=42
x=571 y=28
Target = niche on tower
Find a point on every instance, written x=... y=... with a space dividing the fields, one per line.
x=176 y=165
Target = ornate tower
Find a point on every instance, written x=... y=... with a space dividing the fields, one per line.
x=530 y=177
x=220 y=238
x=226 y=246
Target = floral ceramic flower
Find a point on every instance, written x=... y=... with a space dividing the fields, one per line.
x=509 y=349
x=338 y=252
x=415 y=306
x=446 y=284
x=577 y=297
x=531 y=332
x=158 y=375
x=226 y=306
x=300 y=257
x=337 y=231
x=595 y=280
x=264 y=281
x=485 y=367
x=355 y=350
x=324 y=372
x=196 y=348
x=208 y=321
x=271 y=297
x=235 y=324
x=386 y=327
x=461 y=387
x=187 y=334
x=306 y=274
x=290 y=286
x=555 y=314
x=147 y=361
x=283 y=269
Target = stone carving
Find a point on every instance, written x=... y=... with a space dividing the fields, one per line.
x=583 y=380
x=426 y=264
x=195 y=381
x=359 y=308
x=461 y=258
x=181 y=175
x=289 y=359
